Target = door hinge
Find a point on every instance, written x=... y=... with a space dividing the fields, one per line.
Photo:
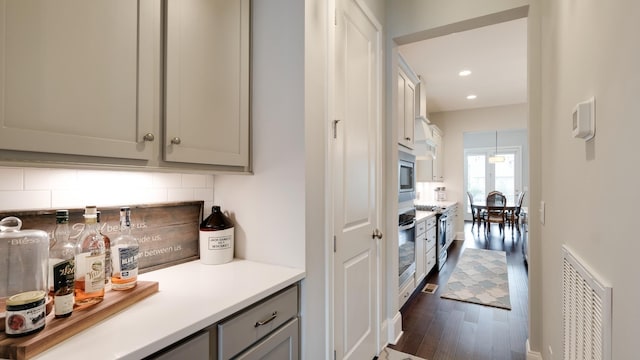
x=335 y=128
x=334 y=355
x=335 y=17
x=334 y=243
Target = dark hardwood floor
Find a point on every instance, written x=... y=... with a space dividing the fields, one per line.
x=437 y=329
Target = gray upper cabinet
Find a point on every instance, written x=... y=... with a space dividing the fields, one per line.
x=76 y=77
x=207 y=82
x=93 y=83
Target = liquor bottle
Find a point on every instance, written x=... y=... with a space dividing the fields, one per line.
x=62 y=267
x=125 y=254
x=90 y=262
x=108 y=268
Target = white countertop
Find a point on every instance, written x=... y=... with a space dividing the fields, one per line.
x=191 y=297
x=420 y=215
x=436 y=203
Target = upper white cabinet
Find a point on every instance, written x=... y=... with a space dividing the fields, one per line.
x=407 y=81
x=438 y=161
x=81 y=82
x=76 y=77
x=207 y=82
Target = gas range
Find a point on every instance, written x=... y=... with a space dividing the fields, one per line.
x=433 y=208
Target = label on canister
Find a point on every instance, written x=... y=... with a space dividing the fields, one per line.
x=216 y=247
x=25 y=313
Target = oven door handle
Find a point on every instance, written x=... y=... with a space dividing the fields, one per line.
x=408 y=226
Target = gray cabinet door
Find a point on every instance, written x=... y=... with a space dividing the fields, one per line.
x=283 y=344
x=196 y=348
x=77 y=77
x=207 y=82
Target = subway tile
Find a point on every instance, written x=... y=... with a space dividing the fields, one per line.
x=45 y=179
x=203 y=194
x=166 y=180
x=194 y=180
x=25 y=200
x=11 y=179
x=180 y=195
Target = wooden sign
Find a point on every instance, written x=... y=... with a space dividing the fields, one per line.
x=168 y=233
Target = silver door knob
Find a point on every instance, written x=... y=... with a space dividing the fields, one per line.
x=376 y=234
x=148 y=137
x=176 y=141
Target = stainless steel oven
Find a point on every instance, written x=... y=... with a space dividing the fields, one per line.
x=406 y=245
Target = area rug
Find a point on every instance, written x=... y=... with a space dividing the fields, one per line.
x=480 y=277
x=390 y=354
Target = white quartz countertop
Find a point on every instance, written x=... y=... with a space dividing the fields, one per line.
x=420 y=215
x=436 y=203
x=191 y=297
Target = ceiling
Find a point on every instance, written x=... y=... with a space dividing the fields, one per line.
x=496 y=55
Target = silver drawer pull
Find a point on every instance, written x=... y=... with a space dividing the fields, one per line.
x=267 y=320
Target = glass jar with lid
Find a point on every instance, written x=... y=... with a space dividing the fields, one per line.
x=24 y=256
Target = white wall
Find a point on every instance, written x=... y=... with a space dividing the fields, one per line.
x=590 y=189
x=454 y=124
x=25 y=188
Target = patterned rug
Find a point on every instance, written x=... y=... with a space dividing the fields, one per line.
x=480 y=277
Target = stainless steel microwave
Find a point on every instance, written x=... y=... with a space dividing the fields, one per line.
x=406 y=176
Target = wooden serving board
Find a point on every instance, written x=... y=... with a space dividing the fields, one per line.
x=57 y=330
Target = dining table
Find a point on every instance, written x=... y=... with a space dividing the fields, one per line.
x=509 y=209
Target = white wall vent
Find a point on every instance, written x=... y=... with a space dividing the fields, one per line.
x=586 y=311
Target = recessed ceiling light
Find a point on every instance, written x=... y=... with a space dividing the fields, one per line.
x=471 y=97
x=465 y=73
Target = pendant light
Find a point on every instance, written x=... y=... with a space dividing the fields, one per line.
x=496 y=158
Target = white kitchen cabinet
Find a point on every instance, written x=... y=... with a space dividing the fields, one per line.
x=430 y=244
x=421 y=236
x=406 y=115
x=78 y=77
x=438 y=161
x=207 y=82
x=452 y=216
x=82 y=83
x=406 y=290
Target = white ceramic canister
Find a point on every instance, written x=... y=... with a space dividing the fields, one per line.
x=216 y=238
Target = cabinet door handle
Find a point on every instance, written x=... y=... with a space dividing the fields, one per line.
x=176 y=141
x=267 y=320
x=148 y=137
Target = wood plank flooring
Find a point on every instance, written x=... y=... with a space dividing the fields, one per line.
x=443 y=329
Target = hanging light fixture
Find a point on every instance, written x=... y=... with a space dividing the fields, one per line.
x=496 y=158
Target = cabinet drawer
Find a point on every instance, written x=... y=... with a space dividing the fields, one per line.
x=421 y=227
x=283 y=344
x=421 y=237
x=431 y=239
x=430 y=260
x=431 y=222
x=240 y=331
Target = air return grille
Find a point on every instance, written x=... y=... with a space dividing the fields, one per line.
x=586 y=308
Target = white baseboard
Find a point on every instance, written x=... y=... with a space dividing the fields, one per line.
x=459 y=236
x=395 y=329
x=532 y=355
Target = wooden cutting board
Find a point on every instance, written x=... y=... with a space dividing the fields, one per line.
x=57 y=330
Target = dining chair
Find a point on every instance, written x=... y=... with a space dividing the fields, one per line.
x=477 y=214
x=515 y=214
x=496 y=204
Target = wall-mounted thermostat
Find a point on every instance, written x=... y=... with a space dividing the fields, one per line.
x=584 y=120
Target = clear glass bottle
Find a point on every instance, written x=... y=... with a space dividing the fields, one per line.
x=62 y=267
x=108 y=267
x=125 y=254
x=90 y=262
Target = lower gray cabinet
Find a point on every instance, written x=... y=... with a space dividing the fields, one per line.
x=194 y=348
x=280 y=345
x=249 y=328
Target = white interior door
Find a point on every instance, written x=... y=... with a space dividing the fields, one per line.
x=356 y=151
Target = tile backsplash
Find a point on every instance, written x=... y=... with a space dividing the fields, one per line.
x=41 y=188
